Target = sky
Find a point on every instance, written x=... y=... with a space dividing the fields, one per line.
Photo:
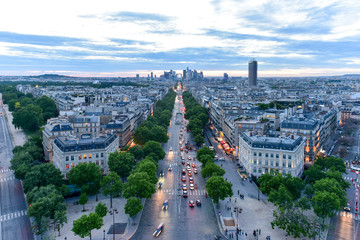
x=124 y=38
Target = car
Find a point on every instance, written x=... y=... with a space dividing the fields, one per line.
x=169 y=169
x=165 y=205
x=188 y=164
x=347 y=208
x=193 y=165
x=180 y=130
x=191 y=203
x=183 y=162
x=184 y=187
x=190 y=174
x=188 y=168
x=180 y=142
x=183 y=171
x=186 y=151
x=198 y=203
x=222 y=159
x=179 y=137
x=170 y=149
x=182 y=158
x=195 y=171
x=183 y=178
x=160 y=185
x=161 y=173
x=158 y=230
x=185 y=194
x=191 y=180
x=181 y=148
x=192 y=186
x=189 y=157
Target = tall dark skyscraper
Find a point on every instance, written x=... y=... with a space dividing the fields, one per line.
x=252 y=73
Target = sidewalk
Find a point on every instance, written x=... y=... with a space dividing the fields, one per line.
x=74 y=211
x=17 y=135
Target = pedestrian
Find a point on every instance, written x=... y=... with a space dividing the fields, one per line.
x=235 y=199
x=231 y=214
x=238 y=192
x=259 y=231
x=245 y=234
x=230 y=199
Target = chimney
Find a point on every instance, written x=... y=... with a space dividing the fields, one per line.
x=250 y=134
x=292 y=136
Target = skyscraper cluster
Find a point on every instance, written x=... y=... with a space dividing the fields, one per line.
x=189 y=74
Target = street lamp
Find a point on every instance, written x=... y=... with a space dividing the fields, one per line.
x=113 y=212
x=104 y=234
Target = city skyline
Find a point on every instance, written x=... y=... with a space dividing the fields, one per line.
x=85 y=38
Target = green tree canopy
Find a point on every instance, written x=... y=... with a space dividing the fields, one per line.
x=212 y=169
x=83 y=200
x=86 y=175
x=86 y=223
x=42 y=175
x=332 y=186
x=326 y=204
x=142 y=135
x=154 y=147
x=137 y=152
x=48 y=107
x=111 y=186
x=139 y=185
x=101 y=209
x=29 y=118
x=159 y=134
x=331 y=163
x=133 y=206
x=218 y=188
x=121 y=163
x=205 y=151
x=199 y=140
x=148 y=166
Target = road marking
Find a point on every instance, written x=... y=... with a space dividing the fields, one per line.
x=12 y=215
x=7 y=179
x=5 y=170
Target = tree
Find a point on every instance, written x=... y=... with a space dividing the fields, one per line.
x=137 y=152
x=133 y=206
x=142 y=135
x=83 y=200
x=86 y=223
x=331 y=163
x=218 y=188
x=212 y=169
x=139 y=185
x=29 y=118
x=205 y=151
x=101 y=209
x=154 y=147
x=59 y=219
x=313 y=174
x=203 y=118
x=338 y=177
x=121 y=163
x=21 y=163
x=42 y=175
x=86 y=175
x=196 y=131
x=332 y=186
x=159 y=134
x=111 y=186
x=326 y=204
x=47 y=105
x=199 y=140
x=149 y=167
x=205 y=159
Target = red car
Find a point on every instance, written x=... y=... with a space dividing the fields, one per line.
x=193 y=165
x=183 y=178
x=191 y=203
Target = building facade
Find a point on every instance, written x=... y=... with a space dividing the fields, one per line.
x=69 y=152
x=121 y=127
x=260 y=155
x=252 y=73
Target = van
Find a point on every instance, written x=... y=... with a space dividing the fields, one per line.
x=211 y=148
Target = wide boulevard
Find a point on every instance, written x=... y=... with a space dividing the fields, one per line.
x=14 y=224
x=180 y=220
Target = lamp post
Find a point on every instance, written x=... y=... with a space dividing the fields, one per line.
x=113 y=212
x=104 y=234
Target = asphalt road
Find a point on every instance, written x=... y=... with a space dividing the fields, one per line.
x=180 y=221
x=14 y=224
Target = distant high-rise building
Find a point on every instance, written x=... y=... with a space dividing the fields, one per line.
x=137 y=77
x=252 y=73
x=226 y=76
x=152 y=75
x=184 y=74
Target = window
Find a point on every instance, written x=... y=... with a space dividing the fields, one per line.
x=254 y=170
x=97 y=155
x=289 y=165
x=266 y=155
x=102 y=154
x=289 y=156
x=283 y=164
x=97 y=162
x=255 y=154
x=277 y=164
x=259 y=162
x=67 y=158
x=259 y=154
x=67 y=166
x=90 y=155
x=266 y=162
x=72 y=165
x=284 y=156
x=102 y=162
x=272 y=155
x=79 y=157
x=277 y=155
x=271 y=163
x=85 y=156
x=72 y=158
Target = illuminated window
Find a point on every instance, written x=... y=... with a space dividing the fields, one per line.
x=97 y=162
x=79 y=157
x=102 y=162
x=67 y=166
x=72 y=165
x=85 y=156
x=90 y=155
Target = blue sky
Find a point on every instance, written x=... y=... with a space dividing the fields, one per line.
x=123 y=38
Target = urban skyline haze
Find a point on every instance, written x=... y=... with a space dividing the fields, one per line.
x=89 y=38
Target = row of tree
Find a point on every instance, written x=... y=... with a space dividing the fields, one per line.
x=29 y=113
x=323 y=191
x=155 y=127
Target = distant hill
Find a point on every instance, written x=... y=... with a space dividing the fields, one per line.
x=52 y=76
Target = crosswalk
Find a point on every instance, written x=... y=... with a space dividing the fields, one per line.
x=176 y=192
x=13 y=215
x=7 y=179
x=346 y=214
x=5 y=170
